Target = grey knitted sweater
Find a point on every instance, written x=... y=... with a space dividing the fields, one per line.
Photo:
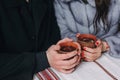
x=73 y=16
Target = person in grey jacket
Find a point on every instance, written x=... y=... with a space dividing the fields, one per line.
x=97 y=17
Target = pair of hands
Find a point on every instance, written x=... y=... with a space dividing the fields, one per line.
x=58 y=61
x=91 y=54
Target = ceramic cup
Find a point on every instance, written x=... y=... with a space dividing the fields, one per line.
x=66 y=47
x=87 y=40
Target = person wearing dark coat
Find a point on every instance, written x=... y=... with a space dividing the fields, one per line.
x=27 y=30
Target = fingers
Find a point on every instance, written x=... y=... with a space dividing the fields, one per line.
x=98 y=49
x=67 y=55
x=67 y=62
x=64 y=40
x=62 y=62
x=53 y=48
x=87 y=56
x=78 y=34
x=70 y=62
x=98 y=42
x=79 y=48
x=105 y=46
x=69 y=66
x=91 y=54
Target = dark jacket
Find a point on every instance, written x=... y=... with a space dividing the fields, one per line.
x=26 y=32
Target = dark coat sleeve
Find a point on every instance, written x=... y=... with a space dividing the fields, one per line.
x=19 y=65
x=20 y=57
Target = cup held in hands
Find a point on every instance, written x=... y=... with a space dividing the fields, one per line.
x=66 y=47
x=87 y=40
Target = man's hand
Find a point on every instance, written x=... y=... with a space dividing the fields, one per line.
x=61 y=62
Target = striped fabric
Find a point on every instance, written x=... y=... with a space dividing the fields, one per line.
x=47 y=74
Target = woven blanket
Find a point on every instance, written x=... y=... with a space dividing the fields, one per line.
x=47 y=74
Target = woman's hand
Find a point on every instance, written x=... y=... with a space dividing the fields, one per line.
x=61 y=62
x=91 y=54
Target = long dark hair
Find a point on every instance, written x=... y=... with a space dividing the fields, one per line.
x=102 y=8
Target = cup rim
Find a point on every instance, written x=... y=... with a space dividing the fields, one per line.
x=91 y=36
x=69 y=43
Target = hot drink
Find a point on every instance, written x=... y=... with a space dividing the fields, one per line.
x=68 y=47
x=87 y=40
